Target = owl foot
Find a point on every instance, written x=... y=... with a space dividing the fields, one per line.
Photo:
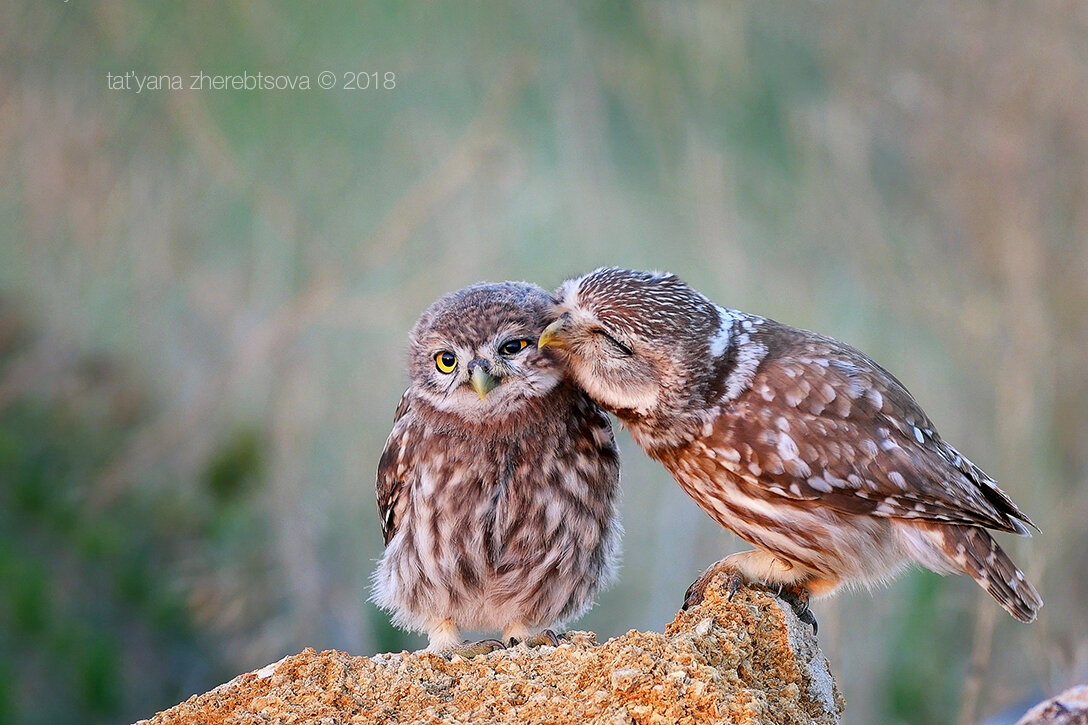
x=468 y=650
x=797 y=597
x=695 y=593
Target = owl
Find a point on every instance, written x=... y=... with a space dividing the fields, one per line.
x=797 y=443
x=497 y=487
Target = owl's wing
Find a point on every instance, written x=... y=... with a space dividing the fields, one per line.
x=820 y=420
x=393 y=470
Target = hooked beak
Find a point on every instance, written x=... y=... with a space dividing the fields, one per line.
x=482 y=382
x=554 y=335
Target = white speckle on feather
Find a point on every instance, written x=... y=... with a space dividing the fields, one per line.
x=787 y=448
x=719 y=343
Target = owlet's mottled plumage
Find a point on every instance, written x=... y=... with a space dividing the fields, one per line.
x=797 y=443
x=496 y=490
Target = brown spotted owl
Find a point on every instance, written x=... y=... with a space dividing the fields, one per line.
x=497 y=487
x=797 y=443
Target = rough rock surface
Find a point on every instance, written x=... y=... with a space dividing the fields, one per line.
x=1068 y=708
x=745 y=660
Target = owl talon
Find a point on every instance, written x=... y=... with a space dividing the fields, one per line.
x=734 y=583
x=797 y=598
x=695 y=593
x=546 y=637
x=809 y=618
x=468 y=650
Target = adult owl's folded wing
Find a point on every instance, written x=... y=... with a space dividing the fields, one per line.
x=394 y=470
x=820 y=420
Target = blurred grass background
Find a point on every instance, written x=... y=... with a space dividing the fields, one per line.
x=204 y=297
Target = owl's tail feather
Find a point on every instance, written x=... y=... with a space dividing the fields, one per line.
x=976 y=552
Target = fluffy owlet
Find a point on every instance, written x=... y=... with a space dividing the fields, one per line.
x=496 y=489
x=797 y=443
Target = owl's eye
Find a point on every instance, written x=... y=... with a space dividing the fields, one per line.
x=445 y=361
x=616 y=344
x=513 y=347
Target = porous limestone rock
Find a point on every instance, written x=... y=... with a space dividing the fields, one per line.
x=746 y=660
x=1068 y=708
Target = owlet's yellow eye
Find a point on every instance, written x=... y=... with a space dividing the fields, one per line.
x=445 y=361
x=513 y=347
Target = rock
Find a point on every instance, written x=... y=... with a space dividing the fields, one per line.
x=748 y=660
x=1068 y=708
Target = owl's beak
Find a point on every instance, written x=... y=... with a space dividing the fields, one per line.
x=482 y=382
x=554 y=335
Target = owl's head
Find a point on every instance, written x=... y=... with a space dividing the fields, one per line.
x=474 y=353
x=639 y=343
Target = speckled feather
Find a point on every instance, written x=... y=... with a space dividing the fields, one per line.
x=821 y=421
x=796 y=442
